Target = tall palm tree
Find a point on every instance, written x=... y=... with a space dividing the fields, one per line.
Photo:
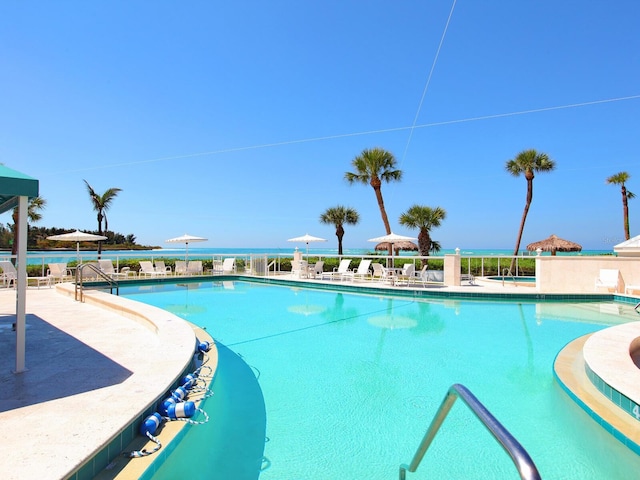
x=340 y=216
x=101 y=204
x=424 y=218
x=528 y=162
x=620 y=179
x=33 y=215
x=374 y=166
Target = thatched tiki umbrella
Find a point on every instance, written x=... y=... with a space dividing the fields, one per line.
x=397 y=246
x=554 y=244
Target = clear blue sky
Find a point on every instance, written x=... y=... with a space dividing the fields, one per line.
x=237 y=121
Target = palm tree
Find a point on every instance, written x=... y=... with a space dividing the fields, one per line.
x=33 y=215
x=101 y=204
x=620 y=179
x=340 y=216
x=424 y=218
x=374 y=166
x=528 y=162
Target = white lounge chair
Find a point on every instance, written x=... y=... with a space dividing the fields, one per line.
x=107 y=268
x=362 y=271
x=58 y=272
x=337 y=273
x=148 y=270
x=181 y=267
x=9 y=274
x=608 y=278
x=194 y=267
x=161 y=267
x=229 y=265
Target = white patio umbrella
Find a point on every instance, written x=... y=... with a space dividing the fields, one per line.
x=392 y=238
x=77 y=237
x=306 y=238
x=186 y=239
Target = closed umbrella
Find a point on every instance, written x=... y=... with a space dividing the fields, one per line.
x=306 y=238
x=554 y=244
x=186 y=239
x=77 y=237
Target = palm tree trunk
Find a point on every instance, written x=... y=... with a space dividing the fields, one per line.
x=99 y=233
x=339 y=234
x=625 y=213
x=524 y=219
x=383 y=213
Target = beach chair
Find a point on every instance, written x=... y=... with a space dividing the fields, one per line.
x=148 y=270
x=194 y=267
x=181 y=267
x=58 y=272
x=9 y=274
x=229 y=265
x=337 y=273
x=106 y=266
x=608 y=278
x=161 y=267
x=362 y=272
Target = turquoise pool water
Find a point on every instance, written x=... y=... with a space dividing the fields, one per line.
x=317 y=384
x=513 y=279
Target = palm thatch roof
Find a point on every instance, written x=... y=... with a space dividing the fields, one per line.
x=397 y=246
x=554 y=244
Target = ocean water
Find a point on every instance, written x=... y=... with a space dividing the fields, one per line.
x=53 y=256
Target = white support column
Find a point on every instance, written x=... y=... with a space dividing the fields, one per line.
x=21 y=287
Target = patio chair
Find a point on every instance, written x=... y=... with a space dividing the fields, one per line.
x=382 y=274
x=161 y=267
x=362 y=271
x=181 y=267
x=194 y=267
x=148 y=270
x=58 y=272
x=337 y=273
x=407 y=275
x=9 y=274
x=229 y=265
x=608 y=278
x=107 y=268
x=317 y=270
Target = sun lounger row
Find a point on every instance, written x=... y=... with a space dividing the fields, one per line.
x=406 y=275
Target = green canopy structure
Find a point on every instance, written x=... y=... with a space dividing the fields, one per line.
x=15 y=191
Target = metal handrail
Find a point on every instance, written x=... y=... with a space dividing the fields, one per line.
x=519 y=456
x=504 y=274
x=79 y=286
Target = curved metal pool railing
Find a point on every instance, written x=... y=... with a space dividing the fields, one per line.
x=79 y=287
x=519 y=456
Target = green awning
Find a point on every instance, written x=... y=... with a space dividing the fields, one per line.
x=13 y=185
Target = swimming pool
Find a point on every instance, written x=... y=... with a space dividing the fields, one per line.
x=317 y=384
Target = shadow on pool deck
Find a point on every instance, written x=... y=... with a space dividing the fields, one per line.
x=76 y=365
